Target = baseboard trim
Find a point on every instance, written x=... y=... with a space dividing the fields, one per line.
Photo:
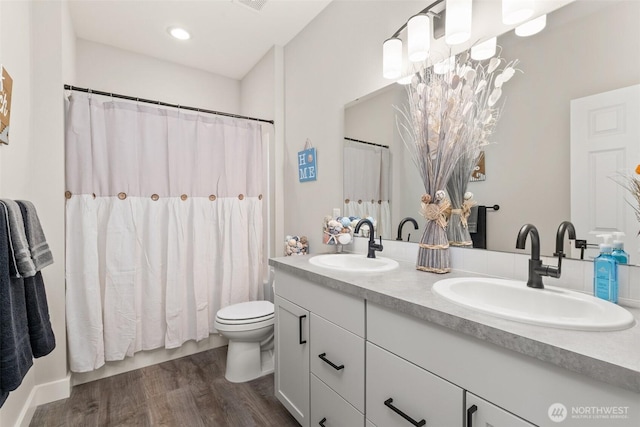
x=41 y=394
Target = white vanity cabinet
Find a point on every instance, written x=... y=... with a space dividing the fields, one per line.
x=292 y=358
x=480 y=413
x=320 y=364
x=401 y=394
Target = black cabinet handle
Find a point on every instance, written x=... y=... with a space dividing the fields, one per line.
x=403 y=415
x=333 y=365
x=322 y=421
x=300 y=328
x=472 y=409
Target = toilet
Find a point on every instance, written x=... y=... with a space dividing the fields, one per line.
x=249 y=328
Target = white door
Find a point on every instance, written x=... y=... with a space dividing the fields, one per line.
x=292 y=358
x=605 y=141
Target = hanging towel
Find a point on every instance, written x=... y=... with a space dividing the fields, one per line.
x=18 y=240
x=472 y=221
x=40 y=253
x=15 y=348
x=40 y=332
x=41 y=335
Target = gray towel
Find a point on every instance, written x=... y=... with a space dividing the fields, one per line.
x=472 y=221
x=18 y=240
x=40 y=253
x=15 y=347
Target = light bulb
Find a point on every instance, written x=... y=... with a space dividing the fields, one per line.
x=179 y=33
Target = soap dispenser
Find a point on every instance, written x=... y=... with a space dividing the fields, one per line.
x=618 y=248
x=605 y=272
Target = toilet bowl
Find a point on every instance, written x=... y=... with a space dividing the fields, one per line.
x=249 y=328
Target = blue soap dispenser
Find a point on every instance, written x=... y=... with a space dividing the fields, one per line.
x=605 y=272
x=618 y=248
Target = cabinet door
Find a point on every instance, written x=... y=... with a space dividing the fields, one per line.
x=401 y=394
x=480 y=413
x=292 y=358
x=329 y=409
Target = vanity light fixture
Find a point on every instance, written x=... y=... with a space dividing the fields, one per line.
x=458 y=21
x=418 y=37
x=516 y=11
x=484 y=50
x=179 y=33
x=419 y=32
x=532 y=27
x=392 y=58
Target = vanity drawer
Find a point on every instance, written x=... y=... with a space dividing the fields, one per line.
x=337 y=358
x=328 y=405
x=396 y=387
x=338 y=307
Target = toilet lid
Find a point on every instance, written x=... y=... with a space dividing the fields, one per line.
x=246 y=310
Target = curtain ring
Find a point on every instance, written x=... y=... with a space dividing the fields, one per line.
x=212 y=197
x=122 y=196
x=346 y=201
x=184 y=197
x=260 y=197
x=155 y=197
x=67 y=195
x=359 y=202
x=241 y=196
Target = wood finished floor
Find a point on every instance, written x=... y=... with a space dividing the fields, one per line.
x=190 y=391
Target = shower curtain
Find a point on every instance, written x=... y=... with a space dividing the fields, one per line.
x=366 y=184
x=164 y=225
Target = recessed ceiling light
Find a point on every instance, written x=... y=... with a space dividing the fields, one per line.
x=179 y=33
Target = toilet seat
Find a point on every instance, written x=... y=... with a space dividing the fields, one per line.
x=246 y=313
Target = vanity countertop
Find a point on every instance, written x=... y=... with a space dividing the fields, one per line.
x=611 y=357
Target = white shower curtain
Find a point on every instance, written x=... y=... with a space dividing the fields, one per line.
x=164 y=225
x=366 y=184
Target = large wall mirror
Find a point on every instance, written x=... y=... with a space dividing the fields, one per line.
x=588 y=48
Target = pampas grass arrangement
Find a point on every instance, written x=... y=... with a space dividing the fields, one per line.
x=447 y=119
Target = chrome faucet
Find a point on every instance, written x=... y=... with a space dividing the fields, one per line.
x=402 y=223
x=373 y=246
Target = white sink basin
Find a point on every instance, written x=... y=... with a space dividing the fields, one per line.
x=551 y=306
x=356 y=263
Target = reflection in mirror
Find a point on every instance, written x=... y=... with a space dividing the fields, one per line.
x=587 y=48
x=366 y=183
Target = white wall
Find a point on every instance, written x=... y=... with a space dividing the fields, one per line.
x=32 y=35
x=334 y=60
x=261 y=96
x=113 y=70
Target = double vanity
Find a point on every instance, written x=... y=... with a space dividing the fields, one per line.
x=376 y=343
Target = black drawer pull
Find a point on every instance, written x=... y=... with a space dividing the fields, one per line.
x=333 y=365
x=300 y=328
x=322 y=421
x=403 y=415
x=472 y=409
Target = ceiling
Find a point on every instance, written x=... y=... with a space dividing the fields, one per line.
x=227 y=37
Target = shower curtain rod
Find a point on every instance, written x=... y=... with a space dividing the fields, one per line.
x=366 y=142
x=164 y=104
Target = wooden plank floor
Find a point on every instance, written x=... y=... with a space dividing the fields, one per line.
x=190 y=391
